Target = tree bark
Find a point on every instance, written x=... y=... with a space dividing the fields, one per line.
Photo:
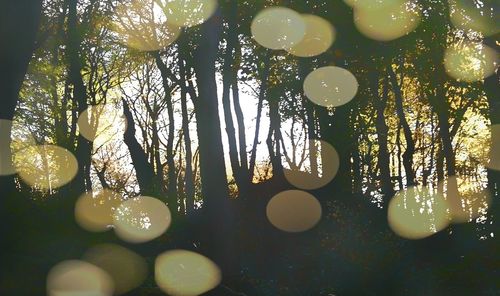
x=172 y=175
x=410 y=143
x=143 y=168
x=83 y=151
x=382 y=135
x=19 y=21
x=189 y=178
x=219 y=238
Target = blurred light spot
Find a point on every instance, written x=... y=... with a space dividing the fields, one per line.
x=186 y=273
x=466 y=15
x=6 y=165
x=466 y=200
x=494 y=162
x=95 y=213
x=45 y=167
x=142 y=25
x=470 y=61
x=127 y=269
x=141 y=219
x=327 y=165
x=330 y=86
x=386 y=22
x=416 y=213
x=102 y=124
x=278 y=28
x=78 y=278
x=293 y=211
x=370 y=4
x=319 y=36
x=188 y=13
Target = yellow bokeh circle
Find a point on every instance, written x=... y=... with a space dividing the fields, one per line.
x=278 y=28
x=318 y=38
x=294 y=211
x=416 y=213
x=45 y=167
x=75 y=277
x=94 y=212
x=142 y=25
x=386 y=22
x=188 y=13
x=102 y=123
x=466 y=199
x=186 y=273
x=470 y=61
x=141 y=219
x=127 y=269
x=330 y=86
x=327 y=165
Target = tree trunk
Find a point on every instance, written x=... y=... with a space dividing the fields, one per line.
x=410 y=143
x=19 y=21
x=83 y=152
x=219 y=238
x=143 y=168
x=172 y=175
x=228 y=115
x=189 y=179
x=382 y=135
x=264 y=74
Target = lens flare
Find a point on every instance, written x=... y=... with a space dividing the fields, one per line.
x=6 y=165
x=467 y=15
x=466 y=200
x=318 y=38
x=142 y=25
x=386 y=22
x=127 y=269
x=321 y=168
x=416 y=213
x=78 y=278
x=102 y=124
x=293 y=211
x=494 y=162
x=278 y=28
x=45 y=167
x=95 y=212
x=470 y=61
x=141 y=219
x=188 y=13
x=186 y=273
x=330 y=86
